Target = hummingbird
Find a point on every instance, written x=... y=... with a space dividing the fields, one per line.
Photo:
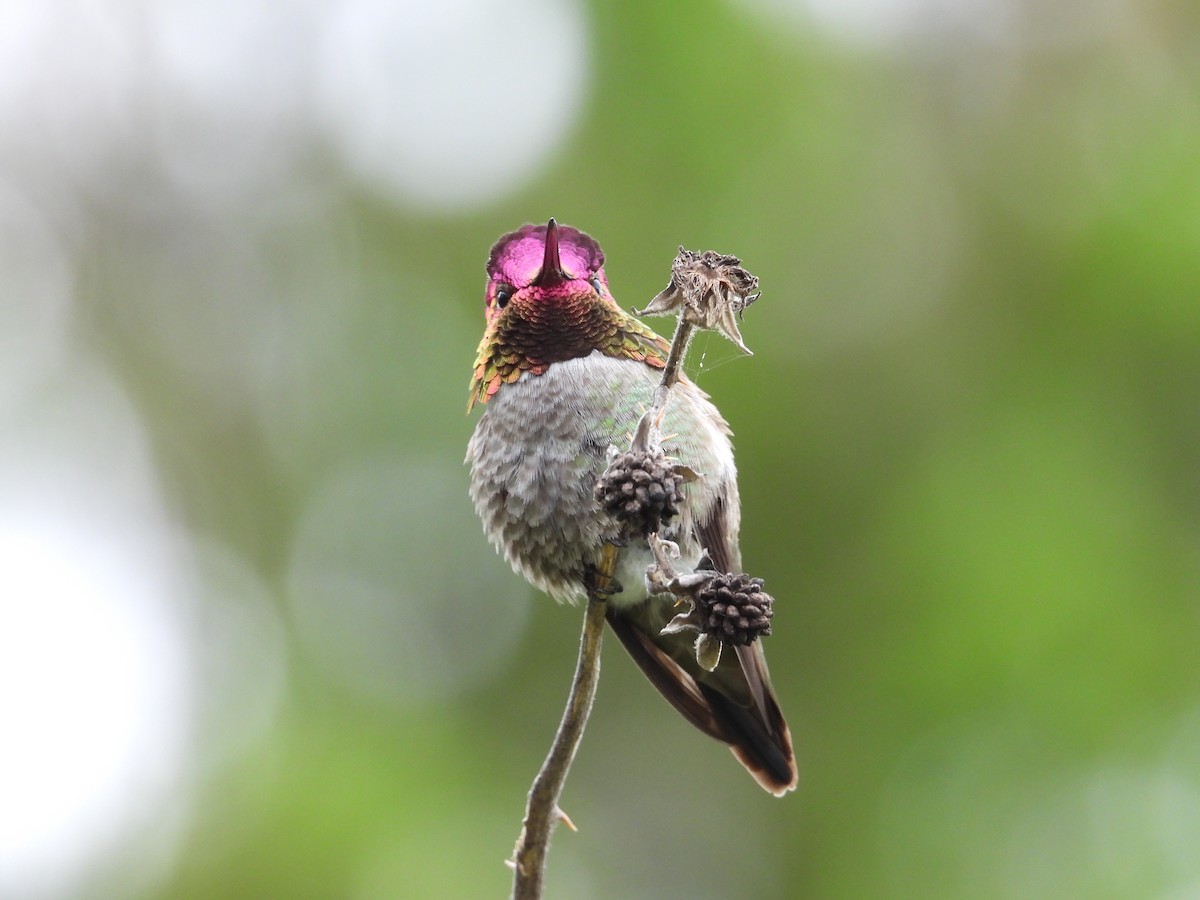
x=565 y=373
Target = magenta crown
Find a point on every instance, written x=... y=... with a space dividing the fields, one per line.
x=544 y=254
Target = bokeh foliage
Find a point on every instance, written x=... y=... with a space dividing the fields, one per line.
x=968 y=445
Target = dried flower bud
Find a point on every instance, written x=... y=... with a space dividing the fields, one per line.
x=712 y=290
x=640 y=490
x=734 y=608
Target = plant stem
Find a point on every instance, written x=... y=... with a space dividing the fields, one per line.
x=670 y=375
x=542 y=812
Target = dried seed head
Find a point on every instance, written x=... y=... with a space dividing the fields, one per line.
x=640 y=490
x=734 y=608
x=711 y=289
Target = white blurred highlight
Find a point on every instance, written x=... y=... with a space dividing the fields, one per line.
x=231 y=104
x=69 y=73
x=927 y=24
x=35 y=299
x=231 y=100
x=895 y=21
x=94 y=686
x=452 y=104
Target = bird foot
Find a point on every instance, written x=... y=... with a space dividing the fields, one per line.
x=599 y=585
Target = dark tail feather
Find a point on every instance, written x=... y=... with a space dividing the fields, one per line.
x=734 y=703
x=765 y=750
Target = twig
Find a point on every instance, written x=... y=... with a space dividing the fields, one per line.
x=670 y=375
x=542 y=812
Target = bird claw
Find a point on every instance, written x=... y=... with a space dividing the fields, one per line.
x=592 y=579
x=613 y=587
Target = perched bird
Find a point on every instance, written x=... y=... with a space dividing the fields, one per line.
x=565 y=373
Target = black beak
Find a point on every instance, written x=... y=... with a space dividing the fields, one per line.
x=552 y=272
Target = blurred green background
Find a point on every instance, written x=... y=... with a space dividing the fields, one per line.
x=254 y=643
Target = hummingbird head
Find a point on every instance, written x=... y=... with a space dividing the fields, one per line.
x=543 y=264
x=548 y=301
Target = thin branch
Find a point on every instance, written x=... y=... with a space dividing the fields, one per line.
x=542 y=811
x=670 y=375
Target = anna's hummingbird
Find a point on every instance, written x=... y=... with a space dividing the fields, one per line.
x=565 y=373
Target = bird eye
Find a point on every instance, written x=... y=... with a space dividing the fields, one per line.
x=504 y=293
x=599 y=288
